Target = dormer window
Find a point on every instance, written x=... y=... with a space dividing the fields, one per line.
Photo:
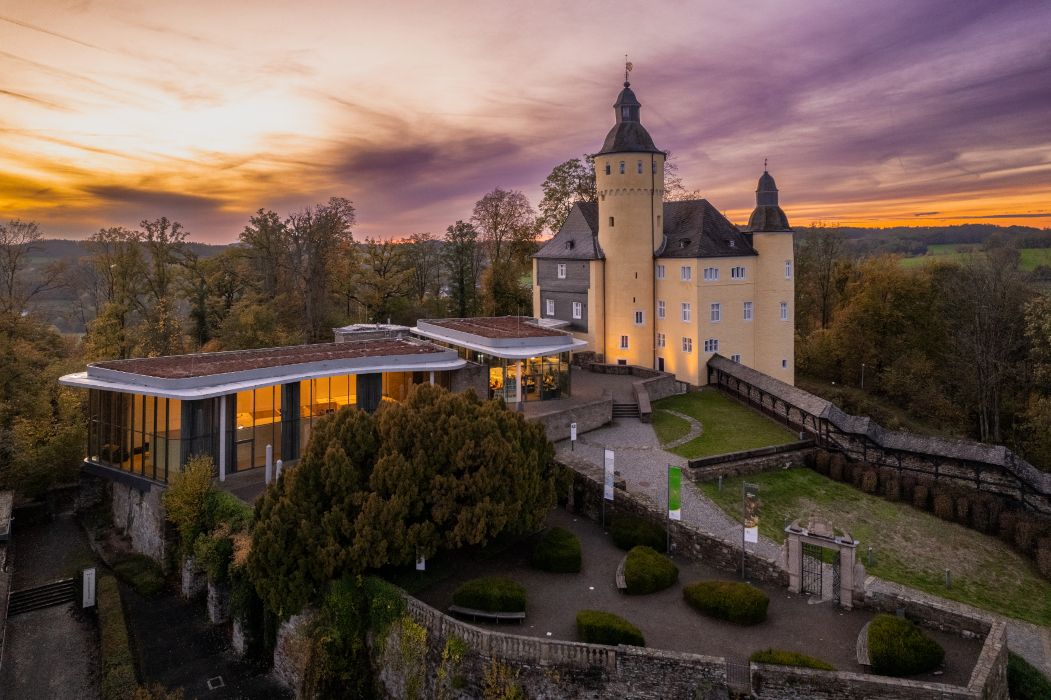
x=570 y=245
x=732 y=244
x=625 y=112
x=684 y=242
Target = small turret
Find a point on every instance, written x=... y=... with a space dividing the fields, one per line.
x=767 y=215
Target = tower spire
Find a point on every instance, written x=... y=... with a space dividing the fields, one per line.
x=627 y=69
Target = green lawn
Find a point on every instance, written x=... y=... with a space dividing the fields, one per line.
x=728 y=425
x=909 y=546
x=1029 y=258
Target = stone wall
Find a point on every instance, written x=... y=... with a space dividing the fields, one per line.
x=787 y=683
x=585 y=497
x=471 y=376
x=140 y=516
x=587 y=416
x=751 y=462
x=292 y=650
x=927 y=610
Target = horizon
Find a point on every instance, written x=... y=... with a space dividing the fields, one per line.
x=900 y=114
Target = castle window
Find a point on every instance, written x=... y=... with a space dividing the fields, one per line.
x=685 y=273
x=732 y=244
x=660 y=271
x=608 y=169
x=784 y=310
x=711 y=345
x=623 y=342
x=621 y=167
x=550 y=307
x=625 y=112
x=711 y=274
x=687 y=344
x=611 y=222
x=570 y=245
x=684 y=242
x=660 y=308
x=686 y=311
x=735 y=358
x=640 y=167
x=748 y=311
x=638 y=318
x=578 y=309
x=561 y=271
x=788 y=269
x=660 y=340
x=737 y=273
x=717 y=313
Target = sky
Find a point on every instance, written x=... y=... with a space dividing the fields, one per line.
x=871 y=113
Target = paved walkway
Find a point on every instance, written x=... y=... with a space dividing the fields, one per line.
x=696 y=429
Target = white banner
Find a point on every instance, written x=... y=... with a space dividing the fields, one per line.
x=751 y=534
x=608 y=490
x=421 y=563
x=573 y=431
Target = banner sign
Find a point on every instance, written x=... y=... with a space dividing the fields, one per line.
x=607 y=492
x=674 y=493
x=421 y=562
x=751 y=512
x=573 y=431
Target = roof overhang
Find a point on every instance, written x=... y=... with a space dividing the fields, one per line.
x=507 y=348
x=211 y=385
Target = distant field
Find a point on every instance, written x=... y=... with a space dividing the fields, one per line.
x=1030 y=258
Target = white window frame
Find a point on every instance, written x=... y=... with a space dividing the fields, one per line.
x=660 y=272
x=738 y=272
x=686 y=273
x=686 y=311
x=716 y=313
x=687 y=344
x=623 y=342
x=748 y=311
x=560 y=270
x=550 y=307
x=711 y=274
x=735 y=358
x=660 y=340
x=640 y=318
x=621 y=167
x=788 y=269
x=784 y=310
x=661 y=308
x=578 y=309
x=711 y=345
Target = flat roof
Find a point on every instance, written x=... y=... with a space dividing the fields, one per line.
x=509 y=337
x=496 y=327
x=205 y=375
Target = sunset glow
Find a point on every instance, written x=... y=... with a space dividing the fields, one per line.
x=872 y=114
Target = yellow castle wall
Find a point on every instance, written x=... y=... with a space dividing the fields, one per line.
x=774 y=338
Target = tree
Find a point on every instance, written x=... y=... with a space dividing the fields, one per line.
x=569 y=182
x=423 y=260
x=18 y=241
x=316 y=238
x=507 y=224
x=462 y=260
x=822 y=271
x=266 y=247
x=382 y=280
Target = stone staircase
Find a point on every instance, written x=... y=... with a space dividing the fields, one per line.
x=625 y=410
x=49 y=594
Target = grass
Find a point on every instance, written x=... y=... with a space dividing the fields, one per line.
x=669 y=426
x=728 y=426
x=118 y=666
x=1032 y=258
x=1029 y=258
x=909 y=546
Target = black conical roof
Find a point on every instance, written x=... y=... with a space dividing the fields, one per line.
x=767 y=215
x=628 y=135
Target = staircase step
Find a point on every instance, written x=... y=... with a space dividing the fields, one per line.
x=45 y=596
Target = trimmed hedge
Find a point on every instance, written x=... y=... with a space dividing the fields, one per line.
x=1024 y=681
x=598 y=627
x=491 y=594
x=728 y=600
x=898 y=647
x=780 y=657
x=629 y=532
x=118 y=665
x=558 y=551
x=141 y=573
x=648 y=571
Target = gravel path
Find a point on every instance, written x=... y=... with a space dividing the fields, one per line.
x=696 y=429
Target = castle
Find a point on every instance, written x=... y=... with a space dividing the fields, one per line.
x=668 y=284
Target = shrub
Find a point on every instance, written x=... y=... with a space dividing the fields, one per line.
x=728 y=600
x=963 y=509
x=921 y=495
x=558 y=551
x=1043 y=557
x=185 y=499
x=647 y=571
x=223 y=508
x=980 y=519
x=629 y=532
x=214 y=553
x=1007 y=521
x=780 y=657
x=1025 y=682
x=118 y=665
x=908 y=487
x=822 y=461
x=892 y=489
x=1028 y=530
x=897 y=647
x=598 y=627
x=491 y=594
x=810 y=460
x=855 y=471
x=869 y=481
x=141 y=573
x=835 y=467
x=944 y=507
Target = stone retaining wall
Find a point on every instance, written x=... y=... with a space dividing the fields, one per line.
x=751 y=462
x=140 y=516
x=587 y=416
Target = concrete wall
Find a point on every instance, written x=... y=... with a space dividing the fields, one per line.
x=587 y=416
x=140 y=516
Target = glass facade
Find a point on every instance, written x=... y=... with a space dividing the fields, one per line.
x=137 y=434
x=532 y=379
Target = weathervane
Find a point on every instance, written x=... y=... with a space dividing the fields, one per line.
x=627 y=69
x=764 y=165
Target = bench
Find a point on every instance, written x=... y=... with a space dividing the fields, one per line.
x=622 y=584
x=863 y=645
x=498 y=617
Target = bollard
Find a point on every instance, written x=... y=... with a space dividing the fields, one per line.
x=720 y=482
x=870 y=556
x=277 y=469
x=269 y=462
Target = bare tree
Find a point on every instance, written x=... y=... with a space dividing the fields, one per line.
x=508 y=225
x=18 y=241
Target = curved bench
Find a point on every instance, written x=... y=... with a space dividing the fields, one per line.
x=863 y=645
x=486 y=615
x=622 y=584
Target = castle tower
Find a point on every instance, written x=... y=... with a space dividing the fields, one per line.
x=629 y=179
x=772 y=238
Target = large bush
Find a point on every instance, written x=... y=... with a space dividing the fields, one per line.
x=628 y=532
x=780 y=657
x=1024 y=681
x=598 y=627
x=897 y=647
x=558 y=550
x=648 y=571
x=491 y=594
x=728 y=600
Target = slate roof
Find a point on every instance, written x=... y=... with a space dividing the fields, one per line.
x=628 y=137
x=578 y=237
x=768 y=218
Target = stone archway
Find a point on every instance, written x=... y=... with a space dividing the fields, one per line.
x=822 y=562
